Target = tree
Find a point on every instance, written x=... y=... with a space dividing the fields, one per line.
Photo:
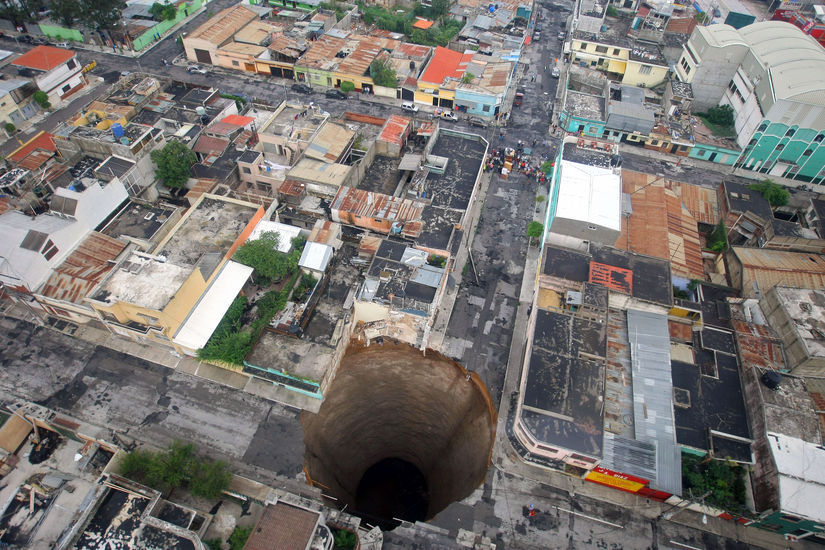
x=42 y=98
x=383 y=74
x=173 y=163
x=535 y=230
x=10 y=128
x=347 y=86
x=718 y=238
x=439 y=8
x=238 y=538
x=262 y=254
x=344 y=538
x=468 y=77
x=210 y=479
x=65 y=11
x=721 y=115
x=163 y=12
x=20 y=11
x=101 y=15
x=612 y=11
x=774 y=193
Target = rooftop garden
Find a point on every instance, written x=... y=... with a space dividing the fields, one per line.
x=440 y=34
x=719 y=120
x=278 y=280
x=722 y=480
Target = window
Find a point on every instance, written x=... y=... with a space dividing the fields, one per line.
x=245 y=170
x=71 y=64
x=645 y=69
x=780 y=146
x=818 y=139
x=601 y=49
x=49 y=250
x=592 y=227
x=235 y=63
x=486 y=108
x=790 y=132
x=752 y=142
x=617 y=51
x=583 y=458
x=762 y=127
x=807 y=153
x=66 y=88
x=685 y=65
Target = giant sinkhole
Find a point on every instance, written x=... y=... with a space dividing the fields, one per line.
x=400 y=434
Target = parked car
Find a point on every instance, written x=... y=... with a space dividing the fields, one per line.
x=62 y=45
x=561 y=35
x=125 y=73
x=196 y=69
x=445 y=114
x=519 y=97
x=335 y=94
x=25 y=38
x=409 y=106
x=556 y=72
x=478 y=122
x=301 y=88
x=538 y=28
x=536 y=36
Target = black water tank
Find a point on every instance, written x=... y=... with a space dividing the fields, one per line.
x=772 y=379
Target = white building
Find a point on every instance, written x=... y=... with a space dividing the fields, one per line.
x=55 y=71
x=32 y=246
x=773 y=77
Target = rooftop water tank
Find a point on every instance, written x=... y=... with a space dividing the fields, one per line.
x=200 y=110
x=117 y=130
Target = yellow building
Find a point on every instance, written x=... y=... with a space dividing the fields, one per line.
x=437 y=84
x=637 y=64
x=16 y=101
x=152 y=296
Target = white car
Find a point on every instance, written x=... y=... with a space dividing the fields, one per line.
x=556 y=72
x=196 y=69
x=445 y=114
x=409 y=107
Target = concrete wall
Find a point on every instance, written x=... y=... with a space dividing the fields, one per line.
x=709 y=69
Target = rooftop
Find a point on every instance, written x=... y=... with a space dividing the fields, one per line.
x=709 y=406
x=213 y=225
x=283 y=527
x=143 y=280
x=801 y=467
x=564 y=387
x=446 y=64
x=613 y=32
x=590 y=194
x=223 y=25
x=769 y=268
x=330 y=143
x=352 y=205
x=323 y=54
x=400 y=275
x=807 y=309
x=660 y=226
x=138 y=221
x=43 y=58
x=83 y=269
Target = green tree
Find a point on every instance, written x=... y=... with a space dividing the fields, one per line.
x=721 y=115
x=347 y=86
x=774 y=193
x=42 y=98
x=101 y=15
x=65 y=11
x=163 y=12
x=439 y=8
x=238 y=538
x=10 y=128
x=547 y=166
x=718 y=238
x=468 y=77
x=262 y=254
x=344 y=539
x=173 y=163
x=210 y=479
x=213 y=544
x=612 y=11
x=534 y=231
x=20 y=11
x=382 y=73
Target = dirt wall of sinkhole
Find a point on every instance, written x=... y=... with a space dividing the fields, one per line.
x=391 y=400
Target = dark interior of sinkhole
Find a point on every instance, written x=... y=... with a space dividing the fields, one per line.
x=400 y=434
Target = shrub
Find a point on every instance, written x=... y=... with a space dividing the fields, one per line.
x=163 y=12
x=347 y=86
x=10 y=128
x=547 y=166
x=718 y=238
x=41 y=98
x=612 y=11
x=344 y=539
x=774 y=193
x=238 y=538
x=721 y=115
x=535 y=230
x=722 y=479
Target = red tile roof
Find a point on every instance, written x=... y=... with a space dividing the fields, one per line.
x=43 y=141
x=283 y=527
x=422 y=24
x=72 y=280
x=446 y=63
x=44 y=58
x=238 y=120
x=395 y=129
x=210 y=145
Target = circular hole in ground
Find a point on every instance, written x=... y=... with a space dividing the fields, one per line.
x=400 y=434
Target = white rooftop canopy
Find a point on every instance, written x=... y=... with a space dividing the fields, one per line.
x=801 y=467
x=205 y=316
x=590 y=194
x=316 y=256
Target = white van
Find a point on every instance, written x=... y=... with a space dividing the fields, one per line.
x=409 y=106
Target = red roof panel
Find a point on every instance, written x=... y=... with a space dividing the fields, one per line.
x=446 y=63
x=44 y=58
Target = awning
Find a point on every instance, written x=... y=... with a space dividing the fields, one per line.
x=465 y=103
x=410 y=162
x=205 y=316
x=13 y=433
x=616 y=66
x=316 y=256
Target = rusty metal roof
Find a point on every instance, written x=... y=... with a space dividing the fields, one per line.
x=769 y=268
x=210 y=145
x=72 y=280
x=283 y=527
x=322 y=54
x=368 y=49
x=700 y=201
x=227 y=22
x=367 y=204
x=395 y=129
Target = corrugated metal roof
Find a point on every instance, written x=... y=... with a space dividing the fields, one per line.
x=316 y=256
x=210 y=145
x=329 y=143
x=653 y=394
x=801 y=467
x=79 y=273
x=378 y=206
x=322 y=54
x=394 y=129
x=428 y=275
x=769 y=268
x=227 y=22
